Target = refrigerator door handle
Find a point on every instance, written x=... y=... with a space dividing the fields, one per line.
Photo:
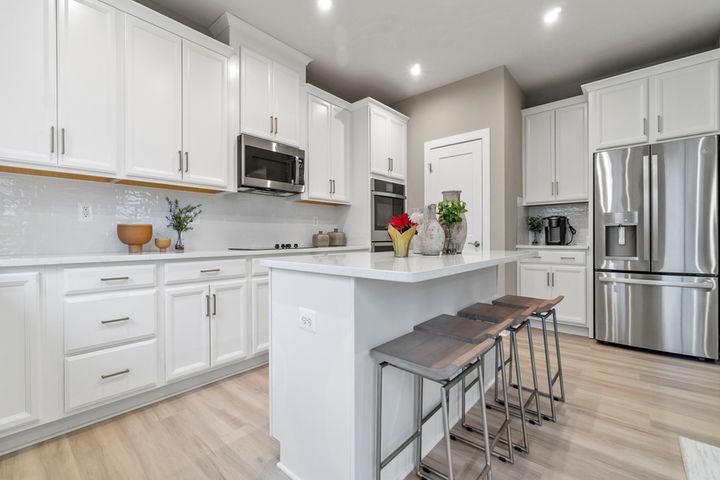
x=654 y=206
x=646 y=208
x=657 y=283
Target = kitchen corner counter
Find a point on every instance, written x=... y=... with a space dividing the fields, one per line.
x=10 y=261
x=384 y=266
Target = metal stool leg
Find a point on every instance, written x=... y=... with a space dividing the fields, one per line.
x=446 y=427
x=378 y=420
x=521 y=403
x=551 y=396
x=486 y=438
x=418 y=421
x=534 y=375
x=557 y=352
x=500 y=350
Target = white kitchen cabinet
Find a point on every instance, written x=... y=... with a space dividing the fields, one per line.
x=397 y=143
x=260 y=315
x=570 y=282
x=270 y=99
x=88 y=87
x=27 y=84
x=228 y=336
x=555 y=154
x=328 y=151
x=535 y=281
x=205 y=116
x=621 y=114
x=20 y=355
x=187 y=330
x=388 y=143
x=685 y=101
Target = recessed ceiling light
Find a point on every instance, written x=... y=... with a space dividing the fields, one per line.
x=552 y=15
x=324 y=5
x=415 y=70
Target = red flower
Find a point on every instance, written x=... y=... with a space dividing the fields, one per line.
x=402 y=222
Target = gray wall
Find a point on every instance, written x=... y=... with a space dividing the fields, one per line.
x=491 y=100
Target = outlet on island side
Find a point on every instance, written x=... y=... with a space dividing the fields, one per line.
x=85 y=213
x=307 y=320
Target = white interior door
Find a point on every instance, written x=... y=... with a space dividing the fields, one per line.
x=459 y=167
x=27 y=82
x=153 y=101
x=205 y=116
x=286 y=93
x=88 y=93
x=227 y=324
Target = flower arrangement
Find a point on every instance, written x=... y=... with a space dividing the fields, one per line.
x=180 y=219
x=449 y=215
x=401 y=230
x=535 y=225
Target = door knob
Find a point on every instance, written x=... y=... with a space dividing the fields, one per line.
x=475 y=244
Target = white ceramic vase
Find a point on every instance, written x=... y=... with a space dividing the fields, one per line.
x=431 y=237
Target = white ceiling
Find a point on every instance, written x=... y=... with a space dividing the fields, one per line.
x=366 y=47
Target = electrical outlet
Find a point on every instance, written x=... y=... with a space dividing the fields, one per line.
x=85 y=213
x=316 y=221
x=308 y=320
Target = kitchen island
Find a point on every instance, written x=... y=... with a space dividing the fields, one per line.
x=326 y=314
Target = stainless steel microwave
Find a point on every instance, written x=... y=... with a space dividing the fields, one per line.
x=269 y=167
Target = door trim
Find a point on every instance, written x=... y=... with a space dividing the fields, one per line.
x=484 y=136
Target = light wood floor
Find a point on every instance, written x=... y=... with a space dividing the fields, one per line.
x=624 y=412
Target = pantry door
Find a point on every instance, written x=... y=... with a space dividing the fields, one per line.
x=461 y=163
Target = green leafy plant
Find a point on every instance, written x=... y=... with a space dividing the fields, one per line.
x=535 y=224
x=449 y=211
x=180 y=218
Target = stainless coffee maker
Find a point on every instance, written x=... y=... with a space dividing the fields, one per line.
x=556 y=230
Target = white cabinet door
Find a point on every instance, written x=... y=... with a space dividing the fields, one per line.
x=19 y=353
x=256 y=109
x=187 y=330
x=379 y=142
x=569 y=281
x=260 y=315
x=286 y=108
x=621 y=114
x=88 y=90
x=27 y=82
x=539 y=157
x=228 y=337
x=535 y=281
x=686 y=101
x=571 y=153
x=340 y=154
x=319 y=159
x=153 y=101
x=205 y=116
x=396 y=145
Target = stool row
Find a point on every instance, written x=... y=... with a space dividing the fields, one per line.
x=446 y=350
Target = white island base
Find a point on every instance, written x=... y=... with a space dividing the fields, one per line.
x=326 y=315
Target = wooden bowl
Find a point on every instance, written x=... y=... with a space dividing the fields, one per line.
x=134 y=236
x=162 y=243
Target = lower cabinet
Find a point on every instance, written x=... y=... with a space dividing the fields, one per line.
x=260 y=315
x=550 y=281
x=19 y=352
x=204 y=326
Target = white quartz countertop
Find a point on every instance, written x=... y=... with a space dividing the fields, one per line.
x=384 y=266
x=7 y=261
x=553 y=247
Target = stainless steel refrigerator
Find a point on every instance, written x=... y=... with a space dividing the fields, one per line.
x=656 y=246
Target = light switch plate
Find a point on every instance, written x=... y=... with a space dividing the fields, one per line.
x=307 y=320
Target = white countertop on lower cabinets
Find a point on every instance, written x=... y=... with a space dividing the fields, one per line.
x=553 y=247
x=385 y=266
x=7 y=261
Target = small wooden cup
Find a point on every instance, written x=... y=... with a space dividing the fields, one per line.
x=162 y=244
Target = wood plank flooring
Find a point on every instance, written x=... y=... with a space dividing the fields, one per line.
x=624 y=412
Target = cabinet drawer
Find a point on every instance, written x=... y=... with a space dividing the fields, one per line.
x=568 y=257
x=115 y=277
x=204 y=270
x=108 y=318
x=108 y=373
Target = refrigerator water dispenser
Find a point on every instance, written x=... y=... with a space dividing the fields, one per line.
x=621 y=235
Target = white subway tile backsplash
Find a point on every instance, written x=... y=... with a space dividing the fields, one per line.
x=577 y=214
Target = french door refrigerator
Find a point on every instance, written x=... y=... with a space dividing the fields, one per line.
x=656 y=246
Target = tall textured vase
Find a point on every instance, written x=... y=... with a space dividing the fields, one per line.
x=430 y=237
x=459 y=231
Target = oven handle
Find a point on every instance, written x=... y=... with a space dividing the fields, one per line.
x=658 y=283
x=389 y=195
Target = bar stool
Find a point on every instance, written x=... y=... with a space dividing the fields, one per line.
x=474 y=331
x=542 y=309
x=443 y=360
x=488 y=312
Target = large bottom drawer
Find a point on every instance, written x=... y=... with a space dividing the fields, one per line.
x=108 y=373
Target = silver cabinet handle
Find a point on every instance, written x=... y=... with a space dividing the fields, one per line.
x=659 y=124
x=657 y=283
x=52 y=139
x=644 y=126
x=552 y=188
x=548 y=279
x=430 y=167
x=276 y=127
x=567 y=258
x=271 y=123
x=552 y=281
x=180 y=162
x=124 y=319
x=334 y=191
x=207 y=305
x=330 y=181
x=113 y=279
x=62 y=132
x=212 y=270
x=214 y=304
x=557 y=188
x=187 y=162
x=121 y=372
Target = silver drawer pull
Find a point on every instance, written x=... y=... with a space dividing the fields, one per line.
x=124 y=319
x=121 y=372
x=657 y=283
x=114 y=279
x=212 y=270
x=567 y=258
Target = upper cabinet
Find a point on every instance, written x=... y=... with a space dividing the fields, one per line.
x=388 y=142
x=671 y=100
x=328 y=148
x=269 y=99
x=555 y=152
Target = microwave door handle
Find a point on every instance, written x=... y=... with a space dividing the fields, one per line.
x=646 y=207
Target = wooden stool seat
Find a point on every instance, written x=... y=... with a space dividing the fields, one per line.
x=431 y=356
x=538 y=305
x=463 y=329
x=500 y=314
